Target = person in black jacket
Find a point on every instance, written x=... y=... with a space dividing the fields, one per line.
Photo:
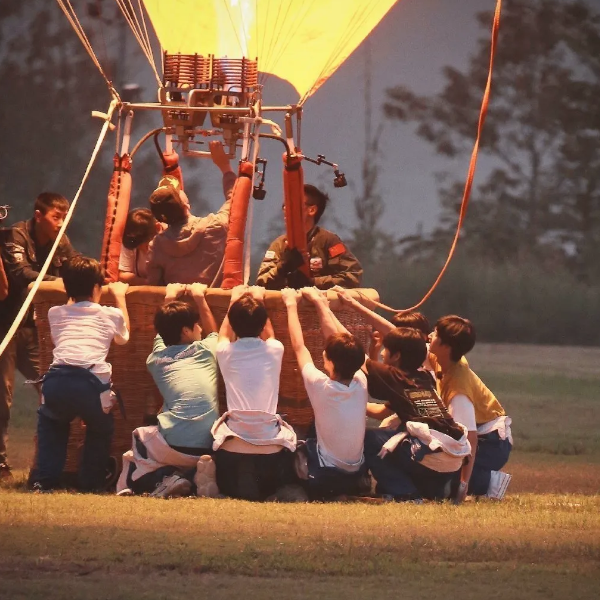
x=331 y=262
x=25 y=247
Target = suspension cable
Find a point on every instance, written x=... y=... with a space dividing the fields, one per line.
x=470 y=173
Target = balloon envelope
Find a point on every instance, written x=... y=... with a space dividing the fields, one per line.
x=301 y=41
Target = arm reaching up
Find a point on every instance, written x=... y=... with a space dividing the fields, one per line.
x=258 y=293
x=207 y=320
x=118 y=289
x=329 y=324
x=291 y=298
x=378 y=322
x=226 y=332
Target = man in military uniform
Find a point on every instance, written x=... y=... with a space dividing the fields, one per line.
x=331 y=263
x=25 y=247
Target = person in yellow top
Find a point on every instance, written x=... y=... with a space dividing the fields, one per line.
x=472 y=404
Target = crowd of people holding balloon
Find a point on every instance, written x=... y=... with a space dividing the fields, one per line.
x=405 y=419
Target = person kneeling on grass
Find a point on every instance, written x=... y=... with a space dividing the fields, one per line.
x=253 y=444
x=333 y=463
x=170 y=459
x=471 y=403
x=78 y=383
x=420 y=458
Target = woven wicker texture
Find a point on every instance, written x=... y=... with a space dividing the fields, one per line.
x=134 y=383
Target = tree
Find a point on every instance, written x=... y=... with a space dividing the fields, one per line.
x=539 y=198
x=50 y=87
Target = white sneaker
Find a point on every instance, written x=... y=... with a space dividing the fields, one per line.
x=125 y=492
x=172 y=486
x=206 y=478
x=498 y=483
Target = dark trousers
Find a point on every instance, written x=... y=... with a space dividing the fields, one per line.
x=492 y=454
x=399 y=473
x=253 y=476
x=71 y=393
x=327 y=482
x=21 y=354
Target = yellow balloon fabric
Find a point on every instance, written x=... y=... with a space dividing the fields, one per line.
x=301 y=41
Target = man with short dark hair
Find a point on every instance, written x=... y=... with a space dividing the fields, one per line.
x=140 y=229
x=25 y=247
x=252 y=443
x=331 y=262
x=472 y=404
x=190 y=249
x=331 y=464
x=78 y=382
x=168 y=460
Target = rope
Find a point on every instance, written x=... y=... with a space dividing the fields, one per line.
x=66 y=7
x=46 y=265
x=141 y=34
x=470 y=173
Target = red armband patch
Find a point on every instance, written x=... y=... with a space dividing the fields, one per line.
x=336 y=250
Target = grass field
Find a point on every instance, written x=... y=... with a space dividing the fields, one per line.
x=542 y=542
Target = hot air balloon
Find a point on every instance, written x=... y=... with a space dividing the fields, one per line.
x=217 y=57
x=215 y=60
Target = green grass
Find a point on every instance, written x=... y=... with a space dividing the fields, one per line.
x=542 y=541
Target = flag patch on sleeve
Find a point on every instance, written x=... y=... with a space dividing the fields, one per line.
x=336 y=250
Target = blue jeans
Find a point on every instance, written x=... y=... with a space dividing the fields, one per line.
x=327 y=482
x=492 y=455
x=71 y=392
x=400 y=473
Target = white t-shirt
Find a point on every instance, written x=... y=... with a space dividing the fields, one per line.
x=251 y=369
x=134 y=261
x=340 y=412
x=82 y=333
x=461 y=409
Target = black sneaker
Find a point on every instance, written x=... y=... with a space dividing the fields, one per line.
x=5 y=471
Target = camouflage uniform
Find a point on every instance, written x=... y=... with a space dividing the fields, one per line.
x=331 y=263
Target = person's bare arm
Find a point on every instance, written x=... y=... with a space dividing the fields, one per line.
x=378 y=411
x=207 y=319
x=290 y=298
x=226 y=332
x=467 y=468
x=131 y=278
x=375 y=346
x=378 y=322
x=219 y=158
x=329 y=322
x=258 y=293
x=118 y=289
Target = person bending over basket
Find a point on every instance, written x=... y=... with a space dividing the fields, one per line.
x=253 y=443
x=78 y=383
x=471 y=403
x=191 y=248
x=333 y=463
x=140 y=229
x=419 y=459
x=174 y=457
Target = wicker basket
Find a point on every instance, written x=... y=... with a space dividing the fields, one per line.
x=133 y=381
